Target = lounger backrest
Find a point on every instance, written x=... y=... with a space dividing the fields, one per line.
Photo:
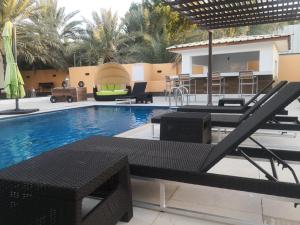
x=139 y=88
x=254 y=98
x=245 y=129
x=261 y=101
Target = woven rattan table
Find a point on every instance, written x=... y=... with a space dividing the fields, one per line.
x=186 y=127
x=66 y=188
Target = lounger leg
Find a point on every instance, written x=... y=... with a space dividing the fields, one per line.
x=219 y=133
x=127 y=217
x=152 y=130
x=195 y=90
x=162 y=192
x=125 y=182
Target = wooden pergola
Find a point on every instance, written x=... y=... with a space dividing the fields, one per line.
x=216 y=14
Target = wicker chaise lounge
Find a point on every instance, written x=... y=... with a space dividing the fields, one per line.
x=242 y=101
x=191 y=162
x=233 y=120
x=139 y=93
x=231 y=109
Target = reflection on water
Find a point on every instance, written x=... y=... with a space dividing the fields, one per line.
x=23 y=138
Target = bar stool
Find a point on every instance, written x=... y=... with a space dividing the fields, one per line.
x=185 y=81
x=219 y=82
x=247 y=78
x=168 y=85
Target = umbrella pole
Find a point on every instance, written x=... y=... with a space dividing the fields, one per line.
x=17 y=105
x=209 y=74
x=16 y=58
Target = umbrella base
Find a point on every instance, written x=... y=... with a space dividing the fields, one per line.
x=18 y=112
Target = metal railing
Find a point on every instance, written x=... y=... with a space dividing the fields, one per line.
x=179 y=94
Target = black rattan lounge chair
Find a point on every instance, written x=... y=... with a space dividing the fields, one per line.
x=242 y=101
x=233 y=120
x=229 y=109
x=283 y=123
x=138 y=93
x=191 y=162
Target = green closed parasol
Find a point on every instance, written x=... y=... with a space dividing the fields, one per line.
x=13 y=83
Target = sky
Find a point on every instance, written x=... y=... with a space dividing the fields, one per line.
x=86 y=7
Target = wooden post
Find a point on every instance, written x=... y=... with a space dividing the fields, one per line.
x=209 y=74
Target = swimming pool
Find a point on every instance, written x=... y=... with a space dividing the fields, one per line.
x=26 y=137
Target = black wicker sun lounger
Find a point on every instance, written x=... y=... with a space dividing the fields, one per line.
x=191 y=162
x=233 y=120
x=138 y=93
x=230 y=109
x=285 y=123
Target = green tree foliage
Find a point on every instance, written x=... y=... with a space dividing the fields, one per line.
x=103 y=40
x=48 y=37
x=151 y=27
x=15 y=11
x=45 y=37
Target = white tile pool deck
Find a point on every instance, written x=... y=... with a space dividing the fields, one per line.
x=245 y=207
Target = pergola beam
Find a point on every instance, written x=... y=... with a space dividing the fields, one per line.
x=189 y=5
x=216 y=14
x=260 y=11
x=245 y=21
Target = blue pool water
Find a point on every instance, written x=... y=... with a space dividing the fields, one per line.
x=26 y=137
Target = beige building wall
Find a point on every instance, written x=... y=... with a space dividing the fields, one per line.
x=154 y=74
x=289 y=67
x=156 y=81
x=32 y=78
x=128 y=68
x=85 y=74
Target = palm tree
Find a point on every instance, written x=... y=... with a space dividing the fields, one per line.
x=13 y=10
x=103 y=39
x=152 y=27
x=152 y=49
x=45 y=37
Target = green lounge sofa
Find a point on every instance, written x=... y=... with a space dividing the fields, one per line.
x=110 y=92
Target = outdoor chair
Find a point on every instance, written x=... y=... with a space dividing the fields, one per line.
x=192 y=163
x=241 y=101
x=230 y=109
x=247 y=79
x=168 y=86
x=233 y=120
x=185 y=81
x=138 y=93
x=218 y=83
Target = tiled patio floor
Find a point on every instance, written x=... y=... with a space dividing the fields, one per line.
x=246 y=207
